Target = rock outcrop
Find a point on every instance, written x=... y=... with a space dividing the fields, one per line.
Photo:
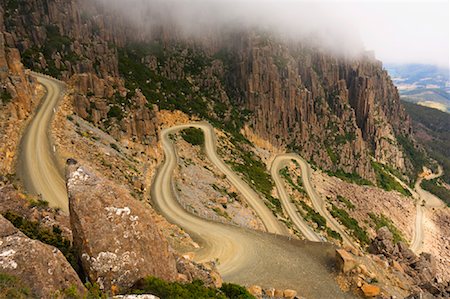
x=41 y=267
x=115 y=237
x=17 y=99
x=421 y=269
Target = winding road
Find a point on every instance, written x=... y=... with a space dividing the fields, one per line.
x=38 y=167
x=244 y=256
x=317 y=201
x=270 y=222
x=425 y=200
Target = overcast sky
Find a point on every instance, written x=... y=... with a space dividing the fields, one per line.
x=405 y=31
x=399 y=31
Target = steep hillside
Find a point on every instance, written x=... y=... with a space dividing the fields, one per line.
x=17 y=100
x=432 y=129
x=335 y=111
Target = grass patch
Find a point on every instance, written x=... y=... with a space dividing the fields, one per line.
x=196 y=289
x=351 y=223
x=284 y=172
x=53 y=237
x=346 y=202
x=193 y=136
x=5 y=96
x=254 y=171
x=313 y=216
x=381 y=221
x=334 y=234
x=13 y=287
x=386 y=181
x=350 y=177
x=435 y=188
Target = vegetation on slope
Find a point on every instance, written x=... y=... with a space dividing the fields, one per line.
x=13 y=287
x=196 y=289
x=386 y=181
x=193 y=136
x=432 y=129
x=435 y=186
x=308 y=212
x=346 y=202
x=254 y=172
x=351 y=223
x=381 y=221
x=350 y=177
x=53 y=237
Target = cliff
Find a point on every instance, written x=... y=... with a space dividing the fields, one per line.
x=17 y=99
x=335 y=111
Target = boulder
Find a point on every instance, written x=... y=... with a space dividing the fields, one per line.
x=278 y=293
x=190 y=270
x=255 y=290
x=345 y=261
x=43 y=268
x=370 y=290
x=289 y=294
x=114 y=235
x=269 y=292
x=383 y=243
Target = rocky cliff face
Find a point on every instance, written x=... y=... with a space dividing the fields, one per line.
x=17 y=99
x=335 y=111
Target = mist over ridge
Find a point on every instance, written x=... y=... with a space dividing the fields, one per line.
x=290 y=20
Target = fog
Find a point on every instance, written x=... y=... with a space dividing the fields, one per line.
x=398 y=31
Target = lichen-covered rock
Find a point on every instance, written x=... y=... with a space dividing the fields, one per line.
x=115 y=236
x=43 y=268
x=207 y=272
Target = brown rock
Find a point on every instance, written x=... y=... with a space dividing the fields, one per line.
x=383 y=243
x=115 y=236
x=255 y=290
x=289 y=294
x=370 y=290
x=43 y=268
x=278 y=293
x=206 y=272
x=270 y=292
x=345 y=261
x=396 y=265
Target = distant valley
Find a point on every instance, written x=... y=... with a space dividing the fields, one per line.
x=426 y=85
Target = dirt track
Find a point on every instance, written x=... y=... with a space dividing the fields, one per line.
x=37 y=162
x=246 y=256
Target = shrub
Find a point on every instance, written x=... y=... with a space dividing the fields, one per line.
x=381 y=221
x=235 y=291
x=346 y=202
x=175 y=290
x=386 y=181
x=351 y=223
x=13 y=287
x=350 y=177
x=440 y=191
x=53 y=237
x=5 y=97
x=314 y=216
x=193 y=136
x=115 y=111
